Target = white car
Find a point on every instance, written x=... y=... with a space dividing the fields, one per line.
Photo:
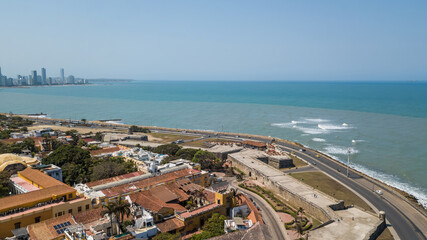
x=379 y=192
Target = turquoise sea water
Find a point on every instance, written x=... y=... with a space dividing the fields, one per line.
x=384 y=124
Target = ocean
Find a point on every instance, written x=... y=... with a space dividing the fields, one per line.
x=383 y=124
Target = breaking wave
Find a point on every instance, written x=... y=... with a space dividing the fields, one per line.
x=319 y=140
x=338 y=150
x=343 y=126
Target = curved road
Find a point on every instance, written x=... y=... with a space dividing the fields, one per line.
x=408 y=222
x=269 y=216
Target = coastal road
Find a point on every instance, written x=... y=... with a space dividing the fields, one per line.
x=401 y=220
x=407 y=220
x=269 y=216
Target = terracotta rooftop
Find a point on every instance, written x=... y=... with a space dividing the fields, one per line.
x=254 y=143
x=45 y=230
x=199 y=210
x=15 y=201
x=150 y=202
x=88 y=216
x=170 y=225
x=255 y=216
x=152 y=181
x=163 y=193
x=39 y=178
x=113 y=179
x=182 y=196
x=104 y=151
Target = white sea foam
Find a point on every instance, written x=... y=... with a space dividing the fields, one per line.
x=333 y=127
x=357 y=140
x=318 y=140
x=311 y=130
x=332 y=149
x=394 y=181
x=316 y=120
x=282 y=125
x=115 y=122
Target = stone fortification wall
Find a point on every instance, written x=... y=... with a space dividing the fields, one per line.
x=293 y=199
x=376 y=231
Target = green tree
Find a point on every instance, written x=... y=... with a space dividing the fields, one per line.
x=67 y=154
x=167 y=236
x=99 y=136
x=122 y=208
x=5 y=134
x=4 y=183
x=207 y=160
x=81 y=143
x=186 y=153
x=110 y=210
x=170 y=149
x=106 y=169
x=214 y=227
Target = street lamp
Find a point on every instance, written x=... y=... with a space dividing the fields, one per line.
x=348 y=158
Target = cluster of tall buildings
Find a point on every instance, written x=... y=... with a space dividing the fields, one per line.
x=34 y=79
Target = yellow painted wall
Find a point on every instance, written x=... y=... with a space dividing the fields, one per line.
x=74 y=205
x=194 y=223
x=8 y=223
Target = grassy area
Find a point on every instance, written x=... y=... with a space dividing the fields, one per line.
x=200 y=143
x=331 y=187
x=385 y=235
x=167 y=137
x=278 y=204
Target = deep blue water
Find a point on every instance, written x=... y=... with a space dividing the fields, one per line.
x=384 y=124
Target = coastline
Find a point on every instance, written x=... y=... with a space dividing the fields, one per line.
x=409 y=198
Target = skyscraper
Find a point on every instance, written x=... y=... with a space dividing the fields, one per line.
x=62 y=75
x=33 y=78
x=0 y=72
x=44 y=76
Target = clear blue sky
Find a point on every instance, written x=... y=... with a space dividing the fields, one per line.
x=217 y=40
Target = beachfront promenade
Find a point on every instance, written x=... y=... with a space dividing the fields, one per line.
x=406 y=220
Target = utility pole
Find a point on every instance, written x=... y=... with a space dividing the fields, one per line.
x=348 y=159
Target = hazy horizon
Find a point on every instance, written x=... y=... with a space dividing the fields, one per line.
x=217 y=41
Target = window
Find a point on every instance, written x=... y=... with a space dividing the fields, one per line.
x=37 y=219
x=70 y=196
x=87 y=206
x=79 y=209
x=17 y=225
x=59 y=214
x=70 y=210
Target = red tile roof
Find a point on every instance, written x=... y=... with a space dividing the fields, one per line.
x=199 y=210
x=88 y=216
x=170 y=225
x=153 y=181
x=113 y=179
x=150 y=202
x=45 y=231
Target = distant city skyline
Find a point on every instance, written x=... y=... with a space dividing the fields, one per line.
x=34 y=79
x=217 y=40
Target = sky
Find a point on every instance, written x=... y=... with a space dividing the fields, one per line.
x=217 y=40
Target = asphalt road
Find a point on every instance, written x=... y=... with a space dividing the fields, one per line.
x=268 y=215
x=403 y=225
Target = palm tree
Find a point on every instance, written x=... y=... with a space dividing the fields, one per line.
x=122 y=208
x=110 y=210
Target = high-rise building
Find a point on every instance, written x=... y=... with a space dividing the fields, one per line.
x=44 y=82
x=70 y=79
x=49 y=80
x=0 y=71
x=62 y=75
x=33 y=78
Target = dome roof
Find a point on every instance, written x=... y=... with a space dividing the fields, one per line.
x=9 y=158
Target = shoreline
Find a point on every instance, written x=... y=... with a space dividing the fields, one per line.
x=408 y=197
